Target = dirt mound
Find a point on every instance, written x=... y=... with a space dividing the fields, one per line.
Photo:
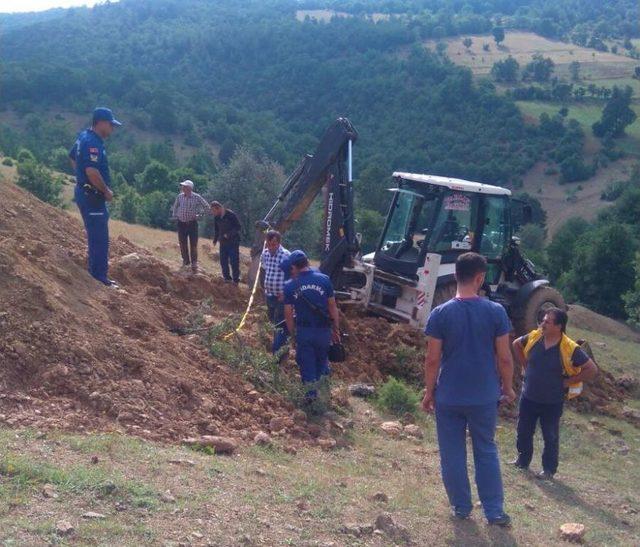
x=584 y=318
x=77 y=355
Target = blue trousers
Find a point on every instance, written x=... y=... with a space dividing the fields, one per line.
x=452 y=423
x=312 y=355
x=230 y=254
x=275 y=310
x=96 y=222
x=549 y=416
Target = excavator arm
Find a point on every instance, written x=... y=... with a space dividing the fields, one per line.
x=329 y=168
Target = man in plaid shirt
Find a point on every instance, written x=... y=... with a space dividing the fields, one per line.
x=187 y=209
x=274 y=277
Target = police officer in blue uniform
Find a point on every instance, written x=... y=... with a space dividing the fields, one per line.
x=93 y=189
x=316 y=322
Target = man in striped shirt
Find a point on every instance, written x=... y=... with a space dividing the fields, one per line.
x=274 y=277
x=187 y=209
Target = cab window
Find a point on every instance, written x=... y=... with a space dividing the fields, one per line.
x=453 y=227
x=495 y=227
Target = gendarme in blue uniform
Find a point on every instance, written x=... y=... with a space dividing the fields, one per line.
x=88 y=151
x=313 y=329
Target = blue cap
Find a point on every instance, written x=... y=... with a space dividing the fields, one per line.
x=296 y=257
x=285 y=265
x=102 y=114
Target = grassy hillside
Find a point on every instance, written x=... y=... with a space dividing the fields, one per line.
x=150 y=494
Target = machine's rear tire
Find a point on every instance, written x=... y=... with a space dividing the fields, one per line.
x=541 y=299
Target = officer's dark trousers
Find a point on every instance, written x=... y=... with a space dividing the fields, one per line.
x=312 y=355
x=549 y=416
x=230 y=255
x=96 y=222
x=188 y=238
x=275 y=310
x=452 y=422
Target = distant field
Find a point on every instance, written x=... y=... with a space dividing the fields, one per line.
x=587 y=114
x=522 y=45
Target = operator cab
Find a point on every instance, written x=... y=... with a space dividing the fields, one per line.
x=444 y=216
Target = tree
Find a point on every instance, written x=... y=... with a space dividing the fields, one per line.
x=636 y=73
x=617 y=114
x=506 y=70
x=156 y=176
x=128 y=205
x=467 y=42
x=38 y=180
x=574 y=70
x=370 y=224
x=602 y=269
x=155 y=209
x=632 y=297
x=498 y=34
x=539 y=69
x=562 y=247
x=538 y=214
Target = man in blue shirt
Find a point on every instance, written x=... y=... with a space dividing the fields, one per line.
x=464 y=383
x=93 y=189
x=316 y=323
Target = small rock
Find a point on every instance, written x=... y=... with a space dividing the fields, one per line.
x=362 y=390
x=221 y=445
x=262 y=439
x=94 y=459
x=93 y=516
x=392 y=428
x=121 y=506
x=302 y=505
x=64 y=528
x=573 y=532
x=197 y=535
x=390 y=527
x=380 y=496
x=600 y=344
x=327 y=444
x=529 y=506
x=413 y=431
x=167 y=497
x=48 y=491
x=208 y=320
x=180 y=461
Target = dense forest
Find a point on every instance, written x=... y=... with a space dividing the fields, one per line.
x=235 y=91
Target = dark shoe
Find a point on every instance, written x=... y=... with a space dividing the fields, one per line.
x=504 y=521
x=517 y=463
x=460 y=514
x=112 y=284
x=544 y=476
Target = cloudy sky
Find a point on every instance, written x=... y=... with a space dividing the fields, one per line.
x=7 y=6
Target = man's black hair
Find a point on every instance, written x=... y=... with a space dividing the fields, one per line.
x=468 y=266
x=274 y=234
x=560 y=317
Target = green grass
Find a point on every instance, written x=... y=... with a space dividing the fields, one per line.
x=22 y=475
x=587 y=114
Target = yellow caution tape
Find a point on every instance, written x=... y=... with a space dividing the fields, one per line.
x=246 y=313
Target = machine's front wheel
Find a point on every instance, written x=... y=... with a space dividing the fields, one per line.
x=540 y=300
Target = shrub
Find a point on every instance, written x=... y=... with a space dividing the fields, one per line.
x=38 y=180
x=397 y=397
x=7 y=161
